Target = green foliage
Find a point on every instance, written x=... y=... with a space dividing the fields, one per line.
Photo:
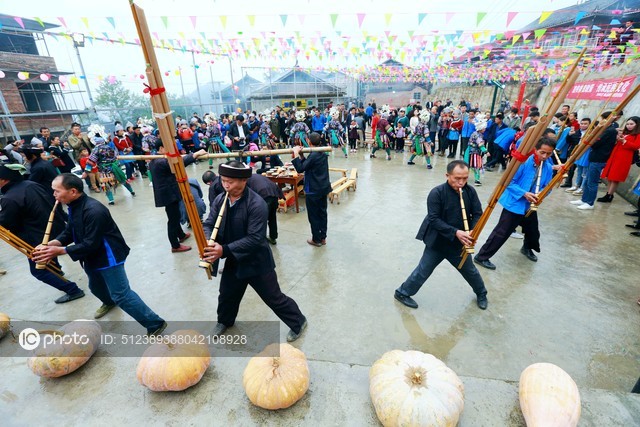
x=121 y=103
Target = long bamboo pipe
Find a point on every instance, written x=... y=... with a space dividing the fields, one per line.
x=214 y=233
x=47 y=233
x=164 y=120
x=525 y=147
x=27 y=250
x=229 y=155
x=587 y=142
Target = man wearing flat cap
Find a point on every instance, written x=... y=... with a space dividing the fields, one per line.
x=24 y=210
x=40 y=171
x=248 y=259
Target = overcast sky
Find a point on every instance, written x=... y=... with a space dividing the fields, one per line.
x=304 y=19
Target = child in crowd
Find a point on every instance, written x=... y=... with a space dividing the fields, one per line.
x=400 y=135
x=353 y=136
x=93 y=174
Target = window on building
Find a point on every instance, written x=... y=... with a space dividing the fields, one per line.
x=416 y=96
x=37 y=97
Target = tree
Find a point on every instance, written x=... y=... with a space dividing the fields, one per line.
x=121 y=103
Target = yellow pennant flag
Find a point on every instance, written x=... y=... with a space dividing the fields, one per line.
x=387 y=18
x=85 y=21
x=544 y=16
x=252 y=20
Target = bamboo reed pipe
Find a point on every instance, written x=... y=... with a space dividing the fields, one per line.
x=47 y=232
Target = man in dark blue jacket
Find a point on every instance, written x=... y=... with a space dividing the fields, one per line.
x=317 y=186
x=93 y=238
x=24 y=210
x=248 y=258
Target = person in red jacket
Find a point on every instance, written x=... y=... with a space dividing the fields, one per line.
x=617 y=168
x=125 y=147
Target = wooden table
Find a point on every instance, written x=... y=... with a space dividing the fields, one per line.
x=290 y=180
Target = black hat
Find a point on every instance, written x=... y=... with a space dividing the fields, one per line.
x=30 y=149
x=234 y=169
x=12 y=172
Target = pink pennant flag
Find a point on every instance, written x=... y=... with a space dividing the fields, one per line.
x=193 y=21
x=448 y=16
x=19 y=21
x=62 y=21
x=301 y=19
x=360 y=19
x=510 y=16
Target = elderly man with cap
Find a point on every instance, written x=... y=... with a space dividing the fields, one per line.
x=166 y=193
x=267 y=189
x=40 y=170
x=248 y=258
x=93 y=238
x=24 y=210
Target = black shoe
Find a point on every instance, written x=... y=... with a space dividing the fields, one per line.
x=272 y=241
x=634 y=226
x=292 y=336
x=565 y=186
x=69 y=297
x=219 y=329
x=488 y=169
x=482 y=302
x=408 y=301
x=635 y=233
x=607 y=198
x=410 y=163
x=451 y=156
x=634 y=213
x=485 y=263
x=529 y=254
x=159 y=330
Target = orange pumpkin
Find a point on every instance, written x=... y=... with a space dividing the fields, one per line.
x=175 y=364
x=5 y=325
x=276 y=378
x=65 y=356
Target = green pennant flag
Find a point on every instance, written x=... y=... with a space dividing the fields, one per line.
x=283 y=18
x=480 y=17
x=499 y=36
x=334 y=18
x=539 y=33
x=421 y=17
x=165 y=21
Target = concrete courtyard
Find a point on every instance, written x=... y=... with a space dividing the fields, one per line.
x=576 y=307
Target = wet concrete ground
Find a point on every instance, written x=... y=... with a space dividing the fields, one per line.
x=576 y=307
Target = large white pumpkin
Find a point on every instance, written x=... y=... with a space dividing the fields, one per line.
x=277 y=377
x=411 y=388
x=5 y=324
x=548 y=397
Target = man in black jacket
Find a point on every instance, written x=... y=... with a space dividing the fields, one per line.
x=248 y=258
x=267 y=189
x=24 y=210
x=136 y=140
x=93 y=238
x=40 y=171
x=444 y=235
x=239 y=134
x=166 y=193
x=317 y=186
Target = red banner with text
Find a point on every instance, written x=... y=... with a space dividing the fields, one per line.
x=600 y=90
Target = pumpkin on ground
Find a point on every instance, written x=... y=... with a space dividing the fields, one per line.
x=548 y=397
x=277 y=377
x=5 y=325
x=411 y=388
x=74 y=345
x=175 y=364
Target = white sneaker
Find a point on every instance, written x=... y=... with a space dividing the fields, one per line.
x=585 y=207
x=576 y=202
x=516 y=235
x=578 y=192
x=571 y=190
